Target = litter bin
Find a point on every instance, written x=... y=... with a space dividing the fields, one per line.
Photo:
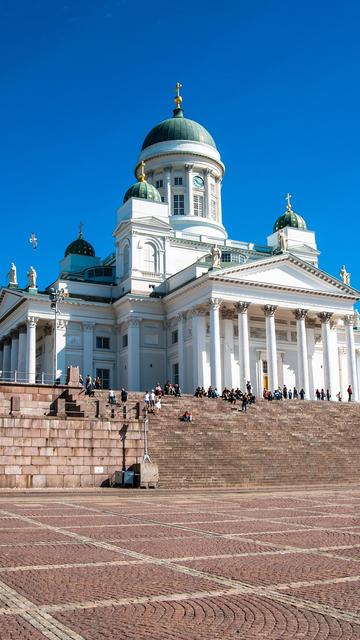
x=128 y=478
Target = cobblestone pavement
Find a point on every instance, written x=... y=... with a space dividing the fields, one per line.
x=187 y=565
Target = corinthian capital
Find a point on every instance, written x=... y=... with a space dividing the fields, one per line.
x=349 y=319
x=269 y=310
x=325 y=316
x=214 y=303
x=300 y=314
x=242 y=307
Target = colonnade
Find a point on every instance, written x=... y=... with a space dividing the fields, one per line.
x=217 y=377
x=18 y=352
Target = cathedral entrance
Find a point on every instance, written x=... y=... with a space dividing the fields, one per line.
x=265 y=376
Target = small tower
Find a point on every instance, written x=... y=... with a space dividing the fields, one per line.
x=290 y=234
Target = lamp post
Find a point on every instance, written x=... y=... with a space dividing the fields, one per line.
x=57 y=297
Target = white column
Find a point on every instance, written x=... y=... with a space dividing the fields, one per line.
x=1 y=357
x=61 y=351
x=133 y=362
x=302 y=352
x=31 y=349
x=47 y=356
x=22 y=373
x=88 y=349
x=208 y=193
x=181 y=348
x=228 y=350
x=218 y=197
x=271 y=353
x=215 y=346
x=343 y=371
x=351 y=356
x=167 y=185
x=14 y=353
x=189 y=209
x=198 y=335
x=7 y=358
x=244 y=347
x=325 y=334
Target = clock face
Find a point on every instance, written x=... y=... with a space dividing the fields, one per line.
x=198 y=181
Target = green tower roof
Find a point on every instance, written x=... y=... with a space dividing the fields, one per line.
x=80 y=246
x=143 y=189
x=289 y=219
x=178 y=128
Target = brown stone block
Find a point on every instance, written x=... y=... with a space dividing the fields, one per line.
x=39 y=482
x=37 y=442
x=64 y=451
x=66 y=470
x=44 y=460
x=55 y=481
x=6 y=442
x=31 y=469
x=12 y=451
x=71 y=482
x=22 y=460
x=23 y=442
x=6 y=460
x=99 y=478
x=50 y=469
x=23 y=482
x=31 y=451
x=82 y=469
x=7 y=482
x=46 y=451
x=13 y=470
x=87 y=480
x=33 y=433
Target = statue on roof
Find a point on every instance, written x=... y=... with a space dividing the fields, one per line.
x=12 y=277
x=216 y=257
x=31 y=274
x=282 y=240
x=345 y=275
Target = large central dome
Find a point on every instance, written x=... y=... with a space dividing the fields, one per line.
x=178 y=128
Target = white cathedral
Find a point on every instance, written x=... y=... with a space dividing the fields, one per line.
x=178 y=300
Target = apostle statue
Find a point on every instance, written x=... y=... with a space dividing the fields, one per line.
x=345 y=275
x=31 y=274
x=283 y=243
x=216 y=257
x=12 y=276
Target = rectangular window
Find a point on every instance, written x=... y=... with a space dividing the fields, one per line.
x=178 y=181
x=175 y=373
x=199 y=206
x=159 y=184
x=178 y=205
x=104 y=375
x=102 y=342
x=162 y=198
x=125 y=341
x=265 y=366
x=174 y=337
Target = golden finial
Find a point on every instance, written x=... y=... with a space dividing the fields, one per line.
x=288 y=198
x=142 y=177
x=80 y=231
x=178 y=98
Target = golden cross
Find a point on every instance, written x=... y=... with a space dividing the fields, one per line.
x=288 y=198
x=142 y=174
x=80 y=230
x=178 y=98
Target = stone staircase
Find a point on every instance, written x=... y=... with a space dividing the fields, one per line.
x=274 y=443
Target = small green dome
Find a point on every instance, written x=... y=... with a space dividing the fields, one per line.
x=143 y=189
x=80 y=247
x=290 y=219
x=178 y=128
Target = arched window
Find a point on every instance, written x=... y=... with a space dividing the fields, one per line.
x=126 y=259
x=149 y=258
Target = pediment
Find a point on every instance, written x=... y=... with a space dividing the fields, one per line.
x=286 y=272
x=143 y=222
x=8 y=300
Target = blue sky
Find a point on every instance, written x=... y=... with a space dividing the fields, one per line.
x=83 y=81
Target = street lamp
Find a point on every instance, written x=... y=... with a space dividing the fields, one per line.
x=57 y=297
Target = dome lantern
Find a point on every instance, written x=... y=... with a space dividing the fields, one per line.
x=80 y=246
x=142 y=189
x=178 y=128
x=289 y=218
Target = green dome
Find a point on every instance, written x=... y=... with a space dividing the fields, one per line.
x=178 y=128
x=290 y=219
x=80 y=247
x=143 y=189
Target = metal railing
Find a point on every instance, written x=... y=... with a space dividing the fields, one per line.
x=24 y=377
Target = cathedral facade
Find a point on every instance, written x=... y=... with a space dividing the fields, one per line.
x=178 y=300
